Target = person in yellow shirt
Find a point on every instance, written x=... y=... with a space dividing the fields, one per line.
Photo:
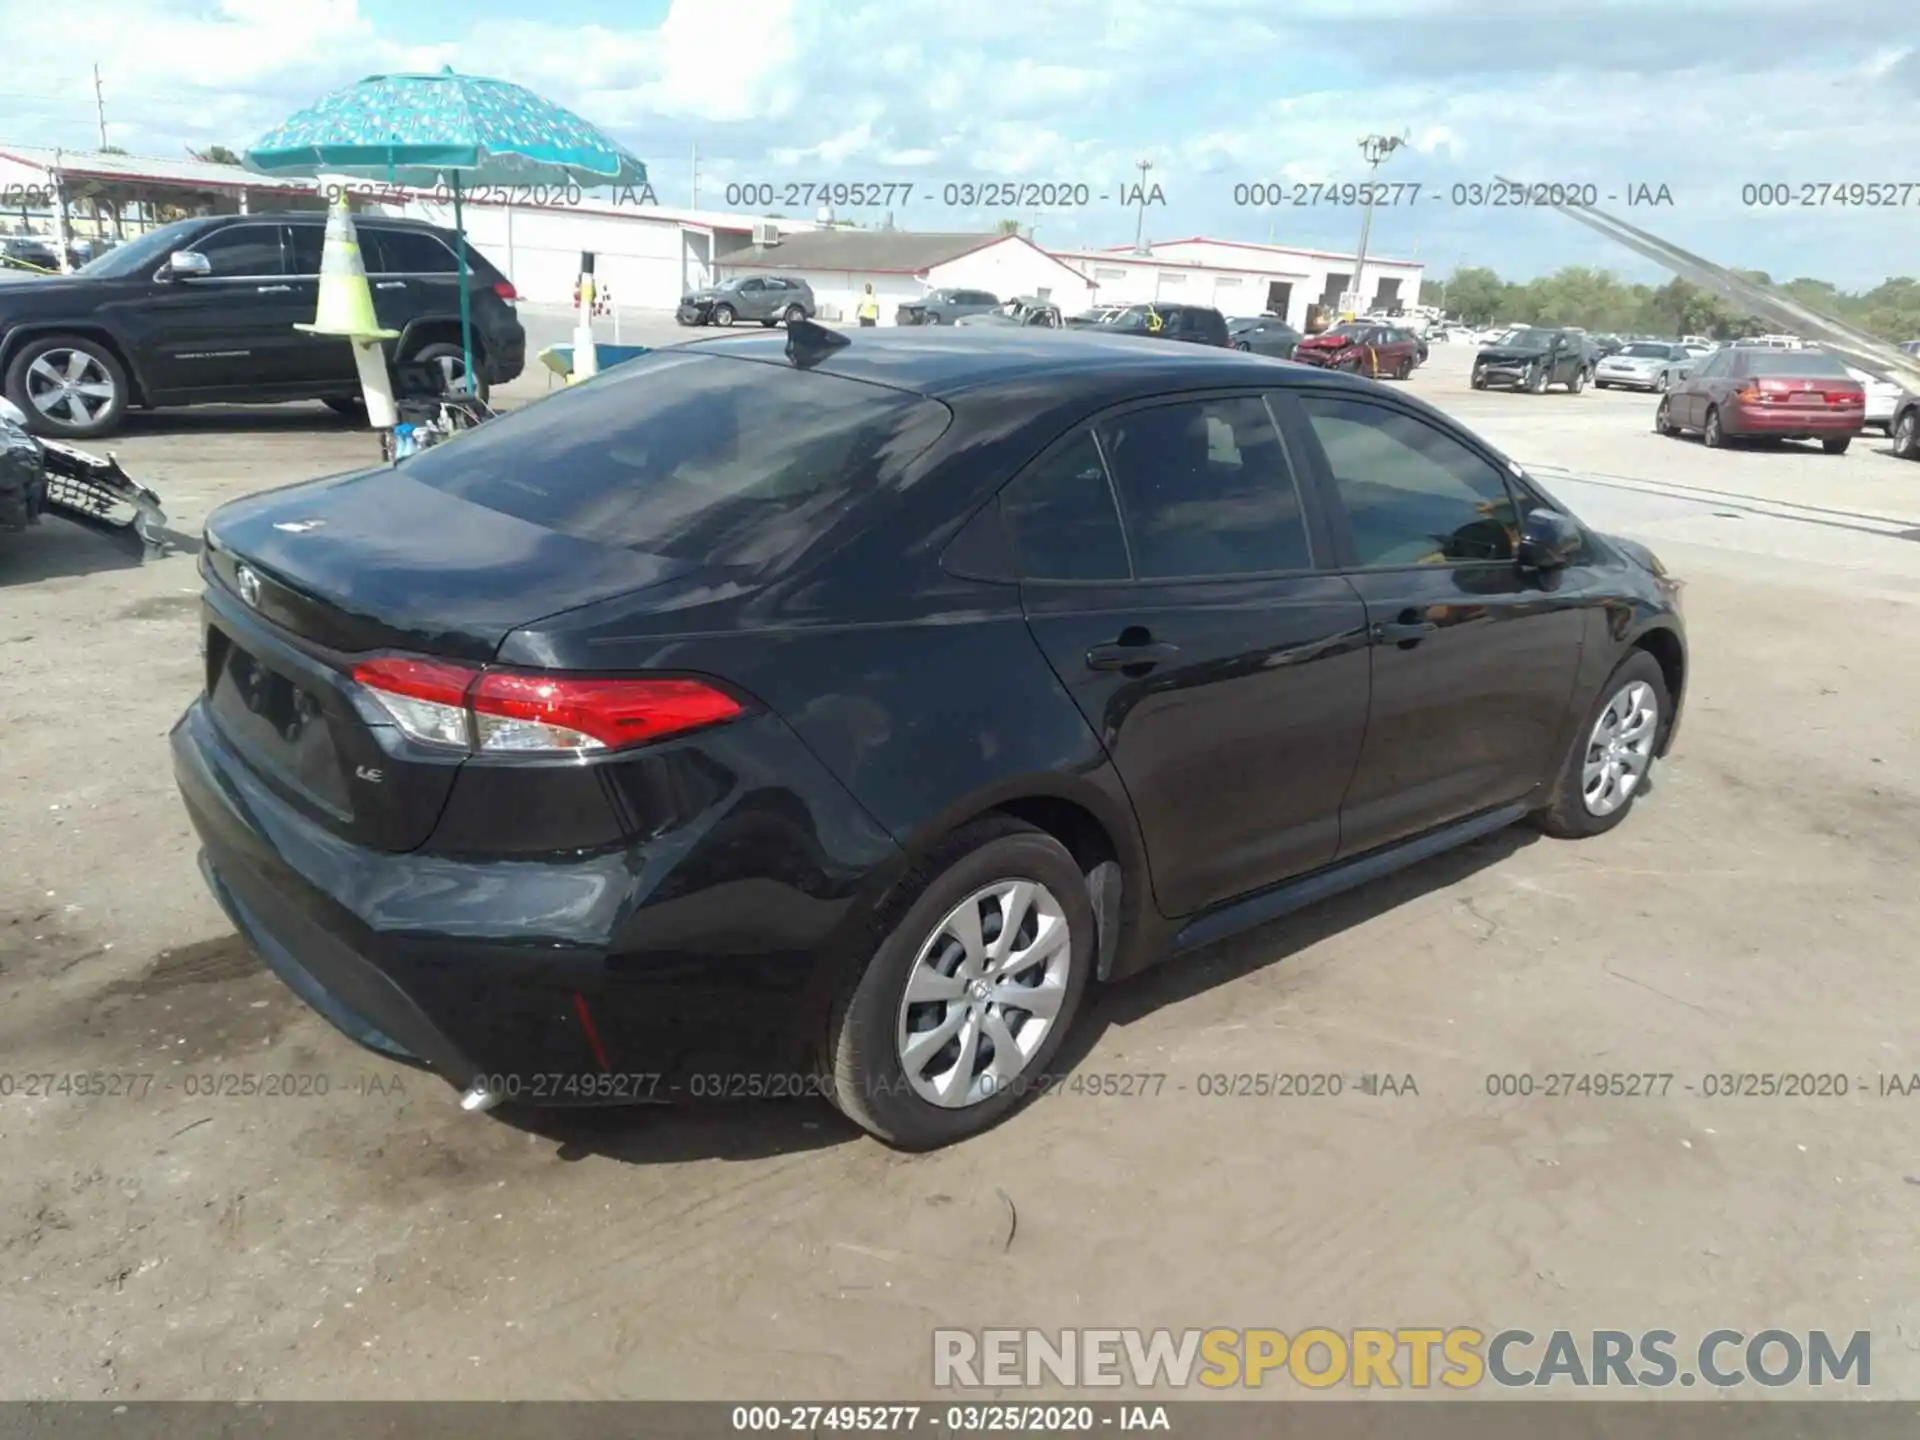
x=869 y=310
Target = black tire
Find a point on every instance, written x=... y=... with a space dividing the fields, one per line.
x=861 y=1057
x=99 y=362
x=454 y=361
x=1406 y=370
x=1906 y=434
x=1713 y=435
x=1661 y=382
x=1538 y=379
x=1566 y=814
x=1602 y=385
x=768 y=324
x=1243 y=346
x=1663 y=418
x=353 y=408
x=722 y=315
x=1577 y=383
x=1837 y=447
x=795 y=314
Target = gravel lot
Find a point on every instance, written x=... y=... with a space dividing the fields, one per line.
x=1758 y=913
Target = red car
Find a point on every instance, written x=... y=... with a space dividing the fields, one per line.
x=1737 y=394
x=1379 y=351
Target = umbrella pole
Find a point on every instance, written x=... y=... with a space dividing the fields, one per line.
x=466 y=299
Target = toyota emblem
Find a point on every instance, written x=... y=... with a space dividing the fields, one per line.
x=249 y=584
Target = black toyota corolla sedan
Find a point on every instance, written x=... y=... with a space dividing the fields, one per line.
x=823 y=714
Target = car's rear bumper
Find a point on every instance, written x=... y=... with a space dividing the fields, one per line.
x=1786 y=423
x=507 y=357
x=1626 y=379
x=642 y=974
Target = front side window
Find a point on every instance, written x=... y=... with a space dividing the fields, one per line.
x=1413 y=495
x=1206 y=489
x=243 y=250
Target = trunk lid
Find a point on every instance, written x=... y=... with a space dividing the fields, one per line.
x=376 y=561
x=306 y=580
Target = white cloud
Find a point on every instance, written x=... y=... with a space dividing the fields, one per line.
x=1215 y=92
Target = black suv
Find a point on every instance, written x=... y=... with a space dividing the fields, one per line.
x=1198 y=324
x=204 y=310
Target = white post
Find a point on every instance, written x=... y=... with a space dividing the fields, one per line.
x=586 y=359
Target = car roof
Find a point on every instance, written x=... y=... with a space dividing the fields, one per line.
x=970 y=361
x=319 y=217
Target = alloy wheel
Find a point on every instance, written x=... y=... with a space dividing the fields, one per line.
x=984 y=992
x=69 y=387
x=1620 y=748
x=1905 y=436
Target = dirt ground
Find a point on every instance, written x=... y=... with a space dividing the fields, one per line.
x=1758 y=914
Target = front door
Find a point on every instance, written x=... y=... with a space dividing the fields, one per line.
x=231 y=329
x=1474 y=659
x=1227 y=679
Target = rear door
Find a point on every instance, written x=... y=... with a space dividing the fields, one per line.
x=1473 y=659
x=414 y=275
x=1168 y=574
x=232 y=329
x=323 y=359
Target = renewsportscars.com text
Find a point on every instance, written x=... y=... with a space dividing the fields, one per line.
x=1458 y=1358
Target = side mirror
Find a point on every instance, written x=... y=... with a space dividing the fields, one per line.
x=188 y=264
x=1548 y=540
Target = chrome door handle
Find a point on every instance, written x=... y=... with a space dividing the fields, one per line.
x=1126 y=657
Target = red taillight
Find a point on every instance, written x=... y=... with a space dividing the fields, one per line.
x=528 y=712
x=546 y=712
x=504 y=289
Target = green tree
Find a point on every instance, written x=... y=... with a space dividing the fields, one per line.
x=1009 y=227
x=216 y=155
x=1476 y=295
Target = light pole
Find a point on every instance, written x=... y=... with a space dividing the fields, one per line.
x=1140 y=226
x=1375 y=148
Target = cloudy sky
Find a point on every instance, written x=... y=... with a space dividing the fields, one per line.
x=1703 y=97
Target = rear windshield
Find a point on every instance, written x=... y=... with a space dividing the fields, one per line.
x=1793 y=362
x=695 y=457
x=1647 y=352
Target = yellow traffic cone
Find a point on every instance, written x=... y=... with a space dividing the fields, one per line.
x=346 y=310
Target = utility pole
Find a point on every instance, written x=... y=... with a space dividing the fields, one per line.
x=1375 y=148
x=100 y=106
x=1140 y=227
x=696 y=175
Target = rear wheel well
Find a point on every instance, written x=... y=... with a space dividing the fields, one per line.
x=439 y=332
x=1072 y=825
x=1664 y=647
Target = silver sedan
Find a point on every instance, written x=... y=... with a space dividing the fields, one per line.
x=1644 y=365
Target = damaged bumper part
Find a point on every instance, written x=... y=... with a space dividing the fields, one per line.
x=43 y=477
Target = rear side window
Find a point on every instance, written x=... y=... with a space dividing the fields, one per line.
x=694 y=457
x=304 y=247
x=1207 y=490
x=1063 y=518
x=410 y=252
